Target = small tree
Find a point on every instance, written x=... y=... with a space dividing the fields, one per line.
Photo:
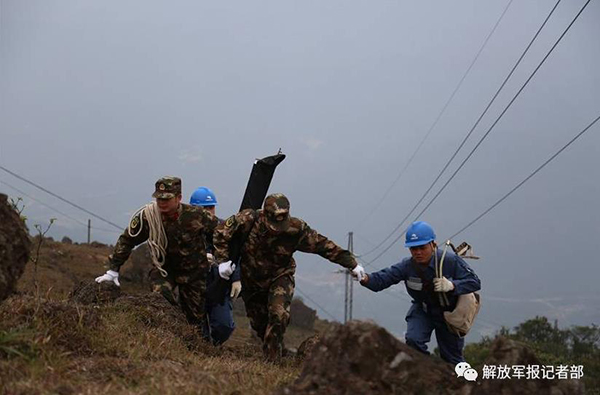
x=35 y=259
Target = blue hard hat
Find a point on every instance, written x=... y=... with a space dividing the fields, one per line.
x=203 y=196
x=418 y=234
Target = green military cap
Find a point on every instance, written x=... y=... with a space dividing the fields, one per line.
x=277 y=211
x=167 y=187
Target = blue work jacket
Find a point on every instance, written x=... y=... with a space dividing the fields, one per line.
x=420 y=289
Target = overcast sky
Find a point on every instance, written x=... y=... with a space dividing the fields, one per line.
x=101 y=98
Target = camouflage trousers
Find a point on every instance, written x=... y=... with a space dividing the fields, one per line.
x=191 y=297
x=269 y=313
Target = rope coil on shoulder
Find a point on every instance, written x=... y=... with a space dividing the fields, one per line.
x=157 y=238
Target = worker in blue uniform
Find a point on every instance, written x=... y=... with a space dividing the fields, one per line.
x=427 y=291
x=219 y=308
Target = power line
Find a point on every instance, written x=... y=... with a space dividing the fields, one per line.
x=384 y=250
x=318 y=305
x=364 y=238
x=505 y=110
x=500 y=200
x=464 y=139
x=526 y=179
x=439 y=116
x=490 y=129
x=360 y=259
x=54 y=209
x=61 y=198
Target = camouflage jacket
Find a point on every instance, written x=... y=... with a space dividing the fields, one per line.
x=186 y=249
x=266 y=255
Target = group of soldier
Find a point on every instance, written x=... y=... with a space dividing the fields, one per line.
x=190 y=249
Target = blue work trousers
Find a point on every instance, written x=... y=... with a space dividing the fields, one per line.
x=220 y=317
x=420 y=324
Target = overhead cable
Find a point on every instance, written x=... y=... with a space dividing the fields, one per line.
x=397 y=228
x=477 y=122
x=503 y=112
x=525 y=180
x=318 y=305
x=61 y=198
x=54 y=209
x=439 y=116
x=489 y=130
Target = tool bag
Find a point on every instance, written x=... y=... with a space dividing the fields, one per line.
x=460 y=320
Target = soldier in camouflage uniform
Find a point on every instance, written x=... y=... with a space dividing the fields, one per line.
x=271 y=238
x=181 y=261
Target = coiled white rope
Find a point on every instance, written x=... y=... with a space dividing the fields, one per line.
x=157 y=238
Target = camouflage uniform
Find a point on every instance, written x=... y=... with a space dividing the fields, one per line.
x=185 y=261
x=268 y=266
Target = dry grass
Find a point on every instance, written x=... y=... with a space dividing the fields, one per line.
x=59 y=347
x=137 y=345
x=61 y=266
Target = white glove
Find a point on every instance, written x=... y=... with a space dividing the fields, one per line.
x=226 y=269
x=442 y=285
x=110 y=275
x=358 y=273
x=211 y=258
x=236 y=288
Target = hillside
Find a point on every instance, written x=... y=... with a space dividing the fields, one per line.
x=138 y=344
x=63 y=334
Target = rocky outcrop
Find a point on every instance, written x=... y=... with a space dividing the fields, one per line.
x=363 y=358
x=15 y=247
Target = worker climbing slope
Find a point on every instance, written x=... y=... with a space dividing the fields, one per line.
x=434 y=288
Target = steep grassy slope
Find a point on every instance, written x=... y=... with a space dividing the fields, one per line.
x=137 y=344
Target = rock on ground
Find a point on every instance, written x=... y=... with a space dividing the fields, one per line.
x=363 y=358
x=14 y=247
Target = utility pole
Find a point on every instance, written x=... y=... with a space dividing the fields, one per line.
x=346 y=296
x=89 y=231
x=349 y=284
